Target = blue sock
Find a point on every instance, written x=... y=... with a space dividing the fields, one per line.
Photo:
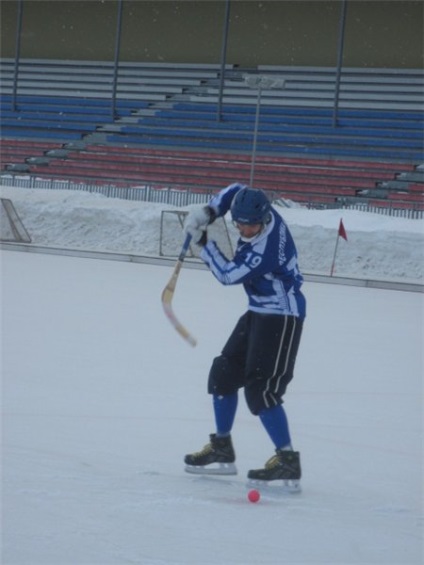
x=225 y=408
x=275 y=422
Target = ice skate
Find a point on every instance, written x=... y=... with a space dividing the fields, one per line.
x=282 y=469
x=216 y=458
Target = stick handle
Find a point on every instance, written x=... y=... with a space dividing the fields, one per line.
x=184 y=248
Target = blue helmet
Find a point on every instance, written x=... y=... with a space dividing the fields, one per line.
x=250 y=206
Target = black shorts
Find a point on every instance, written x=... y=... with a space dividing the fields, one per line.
x=259 y=355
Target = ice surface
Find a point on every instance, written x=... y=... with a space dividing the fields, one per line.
x=101 y=399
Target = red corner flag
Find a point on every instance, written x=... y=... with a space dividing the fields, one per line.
x=342 y=231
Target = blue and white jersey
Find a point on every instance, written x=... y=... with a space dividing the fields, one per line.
x=266 y=265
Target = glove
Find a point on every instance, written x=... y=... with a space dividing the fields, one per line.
x=197 y=222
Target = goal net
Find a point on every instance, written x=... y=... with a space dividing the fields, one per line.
x=11 y=227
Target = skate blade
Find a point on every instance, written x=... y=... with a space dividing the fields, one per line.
x=286 y=486
x=212 y=469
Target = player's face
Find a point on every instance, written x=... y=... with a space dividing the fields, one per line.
x=248 y=231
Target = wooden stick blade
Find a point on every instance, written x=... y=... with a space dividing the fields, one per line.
x=167 y=295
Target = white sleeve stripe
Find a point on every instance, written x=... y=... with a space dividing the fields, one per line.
x=225 y=271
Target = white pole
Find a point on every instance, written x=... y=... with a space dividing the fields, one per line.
x=259 y=82
x=334 y=257
x=255 y=135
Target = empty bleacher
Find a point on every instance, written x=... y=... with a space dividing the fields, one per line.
x=330 y=179
x=164 y=127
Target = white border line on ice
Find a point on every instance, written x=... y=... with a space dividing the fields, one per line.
x=197 y=264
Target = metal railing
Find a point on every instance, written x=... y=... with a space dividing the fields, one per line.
x=175 y=196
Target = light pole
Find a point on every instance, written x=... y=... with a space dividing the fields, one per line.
x=259 y=82
x=223 y=58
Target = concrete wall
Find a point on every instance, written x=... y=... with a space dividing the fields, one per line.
x=276 y=32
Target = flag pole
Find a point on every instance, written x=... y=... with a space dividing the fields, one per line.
x=334 y=257
x=340 y=233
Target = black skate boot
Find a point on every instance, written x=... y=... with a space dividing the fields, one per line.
x=216 y=458
x=283 y=466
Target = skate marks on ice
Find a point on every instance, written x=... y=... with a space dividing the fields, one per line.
x=210 y=488
x=126 y=511
x=310 y=501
